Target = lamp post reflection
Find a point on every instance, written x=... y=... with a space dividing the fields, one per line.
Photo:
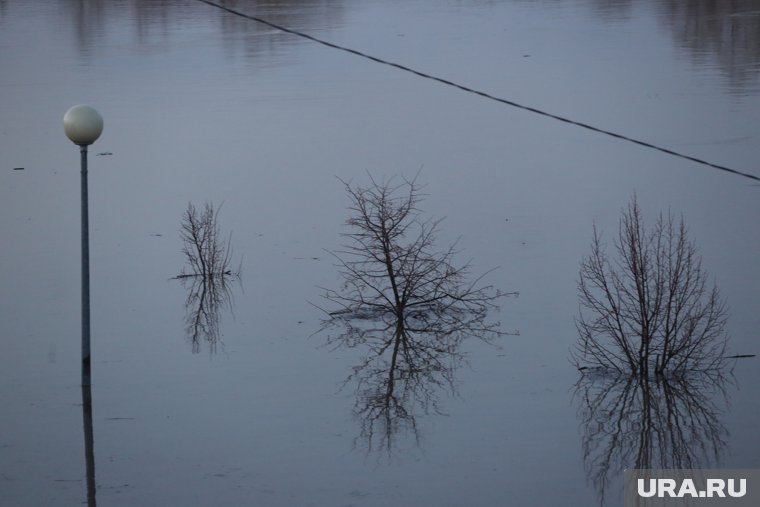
x=89 y=444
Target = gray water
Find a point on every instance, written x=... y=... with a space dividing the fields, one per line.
x=200 y=106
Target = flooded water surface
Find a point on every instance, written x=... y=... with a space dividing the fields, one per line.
x=237 y=382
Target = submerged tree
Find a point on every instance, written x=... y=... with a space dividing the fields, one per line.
x=408 y=305
x=650 y=309
x=206 y=252
x=208 y=256
x=390 y=263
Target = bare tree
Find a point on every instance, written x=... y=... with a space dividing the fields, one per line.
x=390 y=263
x=208 y=256
x=207 y=253
x=408 y=305
x=650 y=309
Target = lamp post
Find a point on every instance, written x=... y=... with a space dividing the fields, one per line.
x=83 y=125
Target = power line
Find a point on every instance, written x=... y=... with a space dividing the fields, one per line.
x=478 y=92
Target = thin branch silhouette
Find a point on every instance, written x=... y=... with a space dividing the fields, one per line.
x=408 y=306
x=660 y=422
x=208 y=257
x=649 y=309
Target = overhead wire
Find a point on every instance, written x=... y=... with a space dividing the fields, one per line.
x=480 y=93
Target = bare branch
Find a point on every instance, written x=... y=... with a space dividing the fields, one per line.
x=649 y=310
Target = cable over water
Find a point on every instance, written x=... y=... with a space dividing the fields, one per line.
x=485 y=95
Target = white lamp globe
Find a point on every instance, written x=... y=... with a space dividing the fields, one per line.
x=82 y=124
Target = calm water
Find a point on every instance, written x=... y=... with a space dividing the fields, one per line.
x=203 y=106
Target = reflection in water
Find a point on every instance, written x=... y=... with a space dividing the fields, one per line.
x=208 y=257
x=206 y=296
x=89 y=444
x=155 y=20
x=716 y=32
x=726 y=32
x=615 y=11
x=410 y=361
x=640 y=423
x=252 y=39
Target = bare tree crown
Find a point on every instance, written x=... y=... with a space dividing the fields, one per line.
x=405 y=301
x=208 y=255
x=649 y=309
x=390 y=262
x=206 y=252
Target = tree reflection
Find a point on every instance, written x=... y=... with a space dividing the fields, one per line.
x=720 y=31
x=409 y=363
x=644 y=423
x=726 y=32
x=714 y=32
x=155 y=20
x=206 y=297
x=252 y=39
x=612 y=10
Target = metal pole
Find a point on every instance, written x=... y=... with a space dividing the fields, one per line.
x=85 y=274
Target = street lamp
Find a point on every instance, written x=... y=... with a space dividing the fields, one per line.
x=83 y=125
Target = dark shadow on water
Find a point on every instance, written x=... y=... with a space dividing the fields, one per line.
x=89 y=444
x=649 y=423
